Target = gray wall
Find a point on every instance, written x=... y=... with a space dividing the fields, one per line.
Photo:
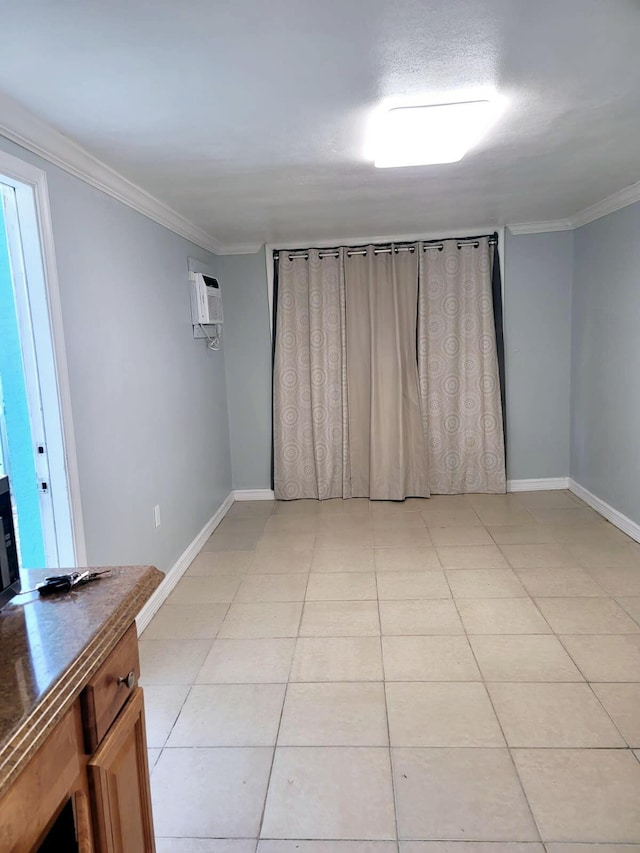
x=247 y=343
x=605 y=417
x=537 y=305
x=148 y=401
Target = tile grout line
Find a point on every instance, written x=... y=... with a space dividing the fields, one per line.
x=386 y=712
x=495 y=713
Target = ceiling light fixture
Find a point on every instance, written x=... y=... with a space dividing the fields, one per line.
x=425 y=135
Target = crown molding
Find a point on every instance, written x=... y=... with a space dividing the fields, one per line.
x=24 y=128
x=616 y=201
x=542 y=227
x=239 y=248
x=623 y=198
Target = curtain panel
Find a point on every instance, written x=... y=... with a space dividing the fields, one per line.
x=386 y=380
x=458 y=367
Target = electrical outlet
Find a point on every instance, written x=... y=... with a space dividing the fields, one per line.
x=156 y=515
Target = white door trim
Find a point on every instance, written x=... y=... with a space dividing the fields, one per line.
x=14 y=169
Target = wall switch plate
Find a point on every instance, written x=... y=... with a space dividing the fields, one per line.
x=156 y=515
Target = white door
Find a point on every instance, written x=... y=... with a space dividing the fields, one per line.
x=32 y=447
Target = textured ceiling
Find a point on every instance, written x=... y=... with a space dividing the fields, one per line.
x=249 y=117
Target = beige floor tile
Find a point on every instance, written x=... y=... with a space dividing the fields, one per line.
x=610 y=556
x=241 y=509
x=501 y=616
x=502 y=516
x=329 y=540
x=342 y=586
x=460 y=794
x=587 y=616
x=153 y=754
x=343 y=560
x=303 y=506
x=523 y=658
x=485 y=583
x=406 y=559
x=344 y=523
x=242 y=541
x=428 y=659
x=441 y=714
x=472 y=557
x=337 y=659
x=552 y=715
x=171 y=661
x=309 y=788
x=605 y=657
x=272 y=587
x=248 y=524
x=229 y=715
x=419 y=617
x=388 y=537
x=204 y=590
x=618 y=581
x=622 y=702
x=591 y=534
x=582 y=794
x=162 y=704
x=280 y=562
x=186 y=622
x=286 y=541
x=449 y=503
x=407 y=585
x=538 y=556
x=526 y=534
x=466 y=517
x=398 y=521
x=212 y=793
x=556 y=499
x=340 y=506
x=327 y=847
x=248 y=661
x=552 y=583
x=568 y=515
x=338 y=714
x=632 y=605
x=592 y=848
x=298 y=523
x=460 y=536
x=205 y=845
x=475 y=847
x=224 y=563
x=264 y=619
x=340 y=619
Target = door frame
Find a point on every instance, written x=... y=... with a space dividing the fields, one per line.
x=32 y=196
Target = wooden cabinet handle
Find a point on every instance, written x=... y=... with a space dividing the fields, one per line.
x=129 y=680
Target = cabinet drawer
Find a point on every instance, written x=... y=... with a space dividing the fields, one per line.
x=109 y=689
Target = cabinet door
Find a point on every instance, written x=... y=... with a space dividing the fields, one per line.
x=119 y=775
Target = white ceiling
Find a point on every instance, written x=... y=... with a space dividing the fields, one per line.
x=248 y=117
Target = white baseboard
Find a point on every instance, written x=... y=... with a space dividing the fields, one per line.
x=538 y=485
x=622 y=522
x=254 y=495
x=180 y=566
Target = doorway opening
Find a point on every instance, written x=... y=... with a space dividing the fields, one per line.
x=32 y=445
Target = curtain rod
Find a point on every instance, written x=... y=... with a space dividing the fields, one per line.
x=388 y=248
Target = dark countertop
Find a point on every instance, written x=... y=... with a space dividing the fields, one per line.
x=50 y=647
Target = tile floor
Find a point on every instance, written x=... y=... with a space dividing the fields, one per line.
x=400 y=678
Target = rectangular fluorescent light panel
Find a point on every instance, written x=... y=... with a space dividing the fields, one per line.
x=424 y=135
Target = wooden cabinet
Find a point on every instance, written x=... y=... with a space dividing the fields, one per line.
x=119 y=781
x=86 y=789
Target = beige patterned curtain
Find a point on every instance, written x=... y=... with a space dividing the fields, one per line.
x=387 y=447
x=309 y=388
x=458 y=369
